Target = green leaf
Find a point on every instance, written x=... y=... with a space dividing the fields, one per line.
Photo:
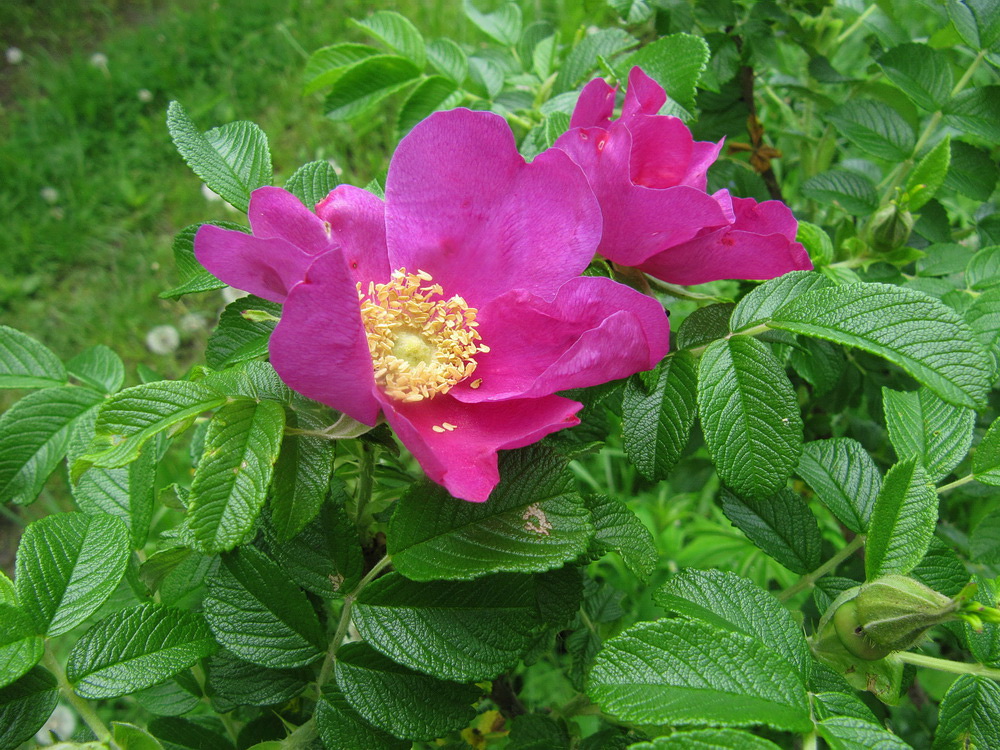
x=312 y=182
x=708 y=739
x=618 y=528
x=543 y=57
x=817 y=243
x=194 y=276
x=761 y=303
x=853 y=192
x=366 y=83
x=921 y=424
x=676 y=62
x=984 y=544
x=396 y=32
x=398 y=700
x=339 y=725
x=231 y=481
x=173 y=697
x=903 y=521
x=448 y=59
x=237 y=338
x=256 y=612
x=941 y=569
x=486 y=76
x=688 y=672
x=126 y=492
x=25 y=706
x=875 y=128
x=247 y=684
x=532 y=522
x=986 y=459
x=819 y=363
x=968 y=715
x=184 y=734
x=327 y=64
x=301 y=482
x=67 y=566
x=983 y=270
x=130 y=737
x=35 y=435
x=502 y=25
x=976 y=112
x=131 y=417
x=844 y=478
x=325 y=558
x=705 y=325
x=430 y=95
x=136 y=648
x=910 y=329
x=233 y=160
x=849 y=733
x=920 y=72
x=829 y=704
x=658 y=411
x=730 y=602
x=632 y=11
x=20 y=646
x=929 y=174
x=7 y=595
x=748 y=410
x=582 y=59
x=985 y=643
x=98 y=367
x=25 y=363
x=782 y=526
x=971 y=171
x=463 y=631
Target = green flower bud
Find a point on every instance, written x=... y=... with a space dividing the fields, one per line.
x=895 y=611
x=852 y=634
x=891 y=228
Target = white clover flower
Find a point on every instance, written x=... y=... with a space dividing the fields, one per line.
x=145 y=95
x=14 y=55
x=49 y=194
x=99 y=60
x=231 y=294
x=163 y=340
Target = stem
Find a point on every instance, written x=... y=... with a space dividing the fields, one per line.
x=681 y=293
x=808 y=580
x=345 y=622
x=946 y=665
x=957 y=483
x=302 y=736
x=810 y=741
x=82 y=707
x=762 y=328
x=840 y=40
x=968 y=72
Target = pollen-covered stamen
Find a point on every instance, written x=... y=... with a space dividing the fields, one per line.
x=421 y=345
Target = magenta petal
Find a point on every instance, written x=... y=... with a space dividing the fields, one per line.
x=638 y=221
x=593 y=331
x=595 y=105
x=268 y=268
x=357 y=222
x=464 y=459
x=319 y=348
x=277 y=214
x=760 y=245
x=661 y=151
x=703 y=156
x=643 y=95
x=462 y=205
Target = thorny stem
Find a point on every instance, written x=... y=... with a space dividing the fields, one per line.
x=82 y=707
x=345 y=620
x=809 y=579
x=946 y=665
x=957 y=483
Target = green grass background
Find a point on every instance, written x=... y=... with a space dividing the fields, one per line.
x=87 y=267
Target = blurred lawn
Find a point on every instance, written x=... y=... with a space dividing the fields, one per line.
x=93 y=191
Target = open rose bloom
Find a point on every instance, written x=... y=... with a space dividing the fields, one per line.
x=649 y=176
x=455 y=308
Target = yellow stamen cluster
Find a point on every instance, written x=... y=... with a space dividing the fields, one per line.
x=420 y=346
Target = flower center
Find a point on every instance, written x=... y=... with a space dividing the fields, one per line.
x=421 y=344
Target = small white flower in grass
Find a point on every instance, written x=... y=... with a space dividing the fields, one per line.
x=49 y=194
x=62 y=723
x=145 y=95
x=99 y=60
x=163 y=340
x=231 y=294
x=14 y=55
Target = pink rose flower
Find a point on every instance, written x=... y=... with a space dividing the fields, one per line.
x=455 y=308
x=649 y=176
